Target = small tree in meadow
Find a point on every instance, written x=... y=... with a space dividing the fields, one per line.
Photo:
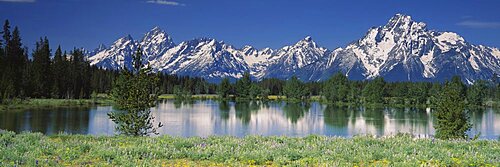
x=452 y=120
x=134 y=94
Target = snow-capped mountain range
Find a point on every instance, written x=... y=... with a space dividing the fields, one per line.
x=401 y=50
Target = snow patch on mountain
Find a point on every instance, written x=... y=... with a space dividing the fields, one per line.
x=400 y=50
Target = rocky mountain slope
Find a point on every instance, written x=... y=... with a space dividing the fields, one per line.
x=401 y=50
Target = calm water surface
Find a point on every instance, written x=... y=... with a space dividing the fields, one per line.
x=205 y=118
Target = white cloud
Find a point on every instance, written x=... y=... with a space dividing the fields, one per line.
x=479 y=24
x=164 y=2
x=19 y=1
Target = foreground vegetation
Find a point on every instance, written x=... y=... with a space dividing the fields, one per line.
x=32 y=149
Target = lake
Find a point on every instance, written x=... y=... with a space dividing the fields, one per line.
x=206 y=117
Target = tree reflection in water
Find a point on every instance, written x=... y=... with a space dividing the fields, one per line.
x=245 y=108
x=224 y=109
x=295 y=111
x=178 y=103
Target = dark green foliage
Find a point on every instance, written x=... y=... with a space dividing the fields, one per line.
x=433 y=92
x=255 y=90
x=295 y=89
x=451 y=119
x=6 y=85
x=65 y=75
x=374 y=91
x=315 y=88
x=224 y=88
x=264 y=94
x=195 y=85
x=2 y=65
x=477 y=93
x=336 y=89
x=135 y=93
x=295 y=111
x=354 y=95
x=417 y=93
x=182 y=93
x=497 y=92
x=243 y=85
x=58 y=70
x=41 y=69
x=13 y=61
x=275 y=86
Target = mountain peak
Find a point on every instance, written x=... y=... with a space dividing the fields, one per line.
x=401 y=50
x=403 y=23
x=155 y=31
x=248 y=48
x=308 y=39
x=126 y=39
x=306 y=42
x=399 y=20
x=156 y=28
x=398 y=16
x=156 y=42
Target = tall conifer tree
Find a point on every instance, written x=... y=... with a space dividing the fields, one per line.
x=135 y=93
x=451 y=118
x=41 y=69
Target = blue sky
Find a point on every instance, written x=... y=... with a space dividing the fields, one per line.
x=261 y=23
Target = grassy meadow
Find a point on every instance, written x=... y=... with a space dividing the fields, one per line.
x=31 y=149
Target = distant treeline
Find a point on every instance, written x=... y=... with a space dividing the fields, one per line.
x=339 y=89
x=62 y=74
x=69 y=75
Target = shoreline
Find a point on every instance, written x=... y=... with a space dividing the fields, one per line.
x=18 y=104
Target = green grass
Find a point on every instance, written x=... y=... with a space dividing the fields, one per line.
x=28 y=149
x=17 y=104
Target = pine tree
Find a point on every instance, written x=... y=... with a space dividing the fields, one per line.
x=134 y=93
x=355 y=92
x=27 y=79
x=476 y=93
x=336 y=88
x=14 y=62
x=2 y=67
x=374 y=91
x=58 y=72
x=417 y=92
x=67 y=78
x=243 y=85
x=7 y=81
x=6 y=32
x=41 y=69
x=452 y=120
x=255 y=90
x=78 y=72
x=224 y=88
x=294 y=89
